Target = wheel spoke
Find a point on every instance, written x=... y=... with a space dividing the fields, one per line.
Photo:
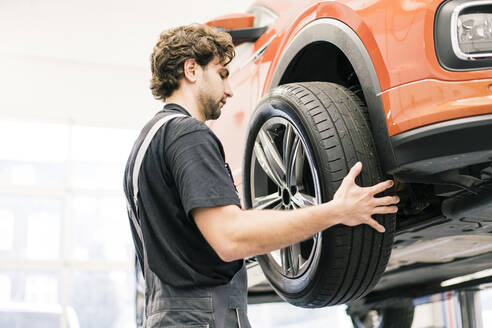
x=285 y=259
x=289 y=136
x=278 y=207
x=265 y=165
x=302 y=200
x=276 y=256
x=295 y=254
x=291 y=258
x=272 y=155
x=299 y=165
x=267 y=201
x=291 y=161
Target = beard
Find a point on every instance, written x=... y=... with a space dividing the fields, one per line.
x=210 y=106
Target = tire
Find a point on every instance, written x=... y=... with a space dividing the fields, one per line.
x=319 y=131
x=398 y=316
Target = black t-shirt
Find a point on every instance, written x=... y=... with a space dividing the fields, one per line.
x=184 y=168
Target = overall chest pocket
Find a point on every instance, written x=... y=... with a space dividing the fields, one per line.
x=180 y=312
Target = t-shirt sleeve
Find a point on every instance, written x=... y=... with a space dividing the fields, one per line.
x=198 y=168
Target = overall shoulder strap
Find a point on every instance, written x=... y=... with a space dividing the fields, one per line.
x=138 y=164
x=142 y=150
x=134 y=185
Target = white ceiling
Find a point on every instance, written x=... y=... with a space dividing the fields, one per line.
x=86 y=62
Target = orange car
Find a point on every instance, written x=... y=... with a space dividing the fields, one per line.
x=403 y=86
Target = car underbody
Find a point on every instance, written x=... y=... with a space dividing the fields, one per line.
x=434 y=241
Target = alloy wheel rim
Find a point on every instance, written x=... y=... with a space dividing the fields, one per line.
x=283 y=176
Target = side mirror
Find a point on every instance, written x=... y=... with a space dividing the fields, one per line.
x=239 y=26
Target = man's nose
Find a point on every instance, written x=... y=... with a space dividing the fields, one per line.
x=228 y=90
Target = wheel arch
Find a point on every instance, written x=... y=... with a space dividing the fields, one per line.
x=328 y=37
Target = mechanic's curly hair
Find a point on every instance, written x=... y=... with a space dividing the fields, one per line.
x=199 y=42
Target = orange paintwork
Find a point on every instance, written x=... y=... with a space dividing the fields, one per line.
x=233 y=21
x=399 y=37
x=429 y=101
x=398 y=34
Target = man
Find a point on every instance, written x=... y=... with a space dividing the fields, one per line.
x=190 y=233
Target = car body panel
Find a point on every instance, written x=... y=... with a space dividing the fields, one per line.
x=412 y=89
x=390 y=45
x=430 y=101
x=386 y=28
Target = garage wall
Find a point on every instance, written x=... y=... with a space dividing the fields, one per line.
x=86 y=62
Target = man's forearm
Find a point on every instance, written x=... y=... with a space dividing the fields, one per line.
x=252 y=232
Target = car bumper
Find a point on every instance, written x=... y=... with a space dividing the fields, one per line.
x=444 y=146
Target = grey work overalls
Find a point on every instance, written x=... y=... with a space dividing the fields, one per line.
x=222 y=306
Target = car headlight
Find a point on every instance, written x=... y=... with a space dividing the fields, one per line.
x=463 y=34
x=471 y=33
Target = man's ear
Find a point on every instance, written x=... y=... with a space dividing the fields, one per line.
x=191 y=70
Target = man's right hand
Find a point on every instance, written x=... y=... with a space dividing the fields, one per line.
x=356 y=205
